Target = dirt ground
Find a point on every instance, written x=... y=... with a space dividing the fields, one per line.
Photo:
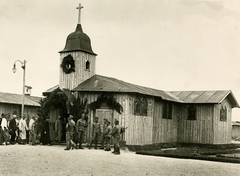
x=54 y=160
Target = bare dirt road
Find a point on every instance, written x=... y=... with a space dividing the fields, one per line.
x=53 y=160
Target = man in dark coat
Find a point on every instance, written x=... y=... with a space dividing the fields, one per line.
x=45 y=135
x=12 y=129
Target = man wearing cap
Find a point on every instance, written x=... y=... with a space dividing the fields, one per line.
x=116 y=137
x=107 y=135
x=96 y=131
x=69 y=133
x=81 y=128
x=105 y=124
x=13 y=129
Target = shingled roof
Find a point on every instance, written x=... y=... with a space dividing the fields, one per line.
x=11 y=98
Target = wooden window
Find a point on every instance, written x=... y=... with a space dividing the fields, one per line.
x=223 y=114
x=140 y=106
x=167 y=110
x=192 y=113
x=87 y=65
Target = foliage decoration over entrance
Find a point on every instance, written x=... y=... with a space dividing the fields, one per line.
x=68 y=64
x=109 y=100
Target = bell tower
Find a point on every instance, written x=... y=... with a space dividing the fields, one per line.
x=77 y=59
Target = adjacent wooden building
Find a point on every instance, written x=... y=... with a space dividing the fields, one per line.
x=12 y=103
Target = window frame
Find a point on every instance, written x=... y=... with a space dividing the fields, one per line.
x=140 y=106
x=192 y=113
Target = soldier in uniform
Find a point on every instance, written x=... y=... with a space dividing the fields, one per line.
x=116 y=137
x=96 y=131
x=69 y=133
x=105 y=124
x=107 y=135
x=81 y=128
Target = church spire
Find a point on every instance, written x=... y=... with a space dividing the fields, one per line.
x=79 y=13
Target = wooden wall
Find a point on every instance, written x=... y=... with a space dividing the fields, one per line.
x=195 y=131
x=139 y=128
x=164 y=130
x=11 y=108
x=222 y=129
x=235 y=131
x=73 y=79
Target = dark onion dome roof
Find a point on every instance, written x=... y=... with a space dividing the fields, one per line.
x=78 y=41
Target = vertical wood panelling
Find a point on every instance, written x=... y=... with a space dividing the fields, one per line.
x=73 y=79
x=222 y=129
x=10 y=108
x=196 y=131
x=164 y=130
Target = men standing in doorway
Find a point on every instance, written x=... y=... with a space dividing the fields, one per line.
x=81 y=128
x=105 y=124
x=96 y=131
x=107 y=135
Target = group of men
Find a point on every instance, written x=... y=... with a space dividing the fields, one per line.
x=17 y=129
x=107 y=133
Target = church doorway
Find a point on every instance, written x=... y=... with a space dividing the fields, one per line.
x=102 y=114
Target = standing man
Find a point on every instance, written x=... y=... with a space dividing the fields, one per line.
x=105 y=124
x=32 y=134
x=27 y=129
x=45 y=134
x=116 y=137
x=96 y=131
x=58 y=129
x=22 y=130
x=81 y=128
x=4 y=129
x=13 y=129
x=69 y=133
x=107 y=135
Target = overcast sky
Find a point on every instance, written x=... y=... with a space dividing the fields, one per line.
x=167 y=45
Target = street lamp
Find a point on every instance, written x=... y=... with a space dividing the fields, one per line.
x=23 y=65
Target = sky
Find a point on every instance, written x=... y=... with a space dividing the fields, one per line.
x=168 y=45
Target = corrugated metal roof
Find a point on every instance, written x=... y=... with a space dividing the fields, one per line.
x=205 y=96
x=98 y=83
x=11 y=98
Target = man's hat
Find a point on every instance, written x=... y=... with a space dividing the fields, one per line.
x=14 y=116
x=95 y=117
x=70 y=117
x=116 y=120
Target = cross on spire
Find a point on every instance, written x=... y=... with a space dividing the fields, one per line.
x=79 y=13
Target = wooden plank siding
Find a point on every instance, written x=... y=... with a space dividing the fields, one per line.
x=195 y=131
x=222 y=129
x=11 y=108
x=139 y=128
x=153 y=128
x=164 y=130
x=235 y=131
x=73 y=79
